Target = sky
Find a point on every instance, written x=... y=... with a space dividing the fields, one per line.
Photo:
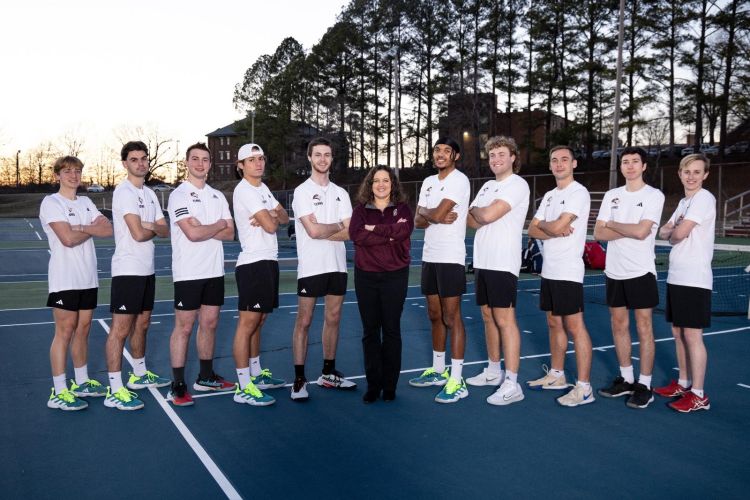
x=89 y=67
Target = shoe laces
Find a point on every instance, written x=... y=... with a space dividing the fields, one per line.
x=453 y=386
x=253 y=390
x=66 y=396
x=93 y=383
x=429 y=371
x=151 y=376
x=124 y=395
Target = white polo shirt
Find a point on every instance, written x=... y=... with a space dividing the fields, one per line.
x=69 y=268
x=690 y=259
x=630 y=257
x=444 y=243
x=329 y=204
x=200 y=259
x=563 y=256
x=131 y=257
x=497 y=246
x=257 y=244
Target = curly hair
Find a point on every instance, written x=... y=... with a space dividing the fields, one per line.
x=365 y=194
x=500 y=141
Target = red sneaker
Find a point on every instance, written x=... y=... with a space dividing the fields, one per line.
x=179 y=396
x=213 y=383
x=672 y=390
x=690 y=402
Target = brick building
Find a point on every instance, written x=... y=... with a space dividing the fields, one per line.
x=529 y=129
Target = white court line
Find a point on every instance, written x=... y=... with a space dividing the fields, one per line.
x=530 y=356
x=744 y=385
x=199 y=451
x=37 y=234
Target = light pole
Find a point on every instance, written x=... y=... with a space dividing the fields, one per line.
x=252 y=126
x=393 y=54
x=18 y=174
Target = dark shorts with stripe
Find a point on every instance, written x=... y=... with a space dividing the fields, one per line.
x=258 y=286
x=633 y=293
x=444 y=280
x=496 y=288
x=561 y=298
x=688 y=306
x=320 y=285
x=132 y=294
x=192 y=294
x=73 y=300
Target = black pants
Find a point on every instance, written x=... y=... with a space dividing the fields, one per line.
x=380 y=296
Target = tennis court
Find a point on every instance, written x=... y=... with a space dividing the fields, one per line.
x=334 y=446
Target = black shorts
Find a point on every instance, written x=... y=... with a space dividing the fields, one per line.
x=192 y=294
x=688 y=306
x=444 y=280
x=633 y=293
x=562 y=298
x=132 y=294
x=258 y=286
x=495 y=288
x=320 y=285
x=73 y=300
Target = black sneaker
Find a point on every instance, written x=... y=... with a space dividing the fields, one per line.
x=641 y=396
x=618 y=388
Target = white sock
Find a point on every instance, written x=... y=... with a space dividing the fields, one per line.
x=512 y=376
x=438 y=361
x=697 y=392
x=139 y=367
x=494 y=367
x=685 y=383
x=457 y=367
x=59 y=382
x=115 y=381
x=557 y=373
x=627 y=373
x=645 y=380
x=255 y=368
x=82 y=374
x=585 y=385
x=243 y=375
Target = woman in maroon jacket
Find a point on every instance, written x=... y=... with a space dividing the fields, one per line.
x=380 y=228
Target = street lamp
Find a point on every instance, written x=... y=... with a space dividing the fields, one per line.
x=18 y=175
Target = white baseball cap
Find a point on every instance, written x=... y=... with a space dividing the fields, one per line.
x=249 y=150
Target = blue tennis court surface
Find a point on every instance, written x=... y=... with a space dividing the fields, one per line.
x=334 y=446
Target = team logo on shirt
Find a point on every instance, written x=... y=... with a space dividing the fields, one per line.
x=140 y=202
x=427 y=192
x=549 y=201
x=615 y=201
x=71 y=213
x=195 y=197
x=316 y=200
x=395 y=212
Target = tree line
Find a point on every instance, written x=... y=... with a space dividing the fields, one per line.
x=686 y=64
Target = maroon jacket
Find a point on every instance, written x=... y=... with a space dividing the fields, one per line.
x=387 y=247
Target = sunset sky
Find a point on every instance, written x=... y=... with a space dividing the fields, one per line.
x=88 y=67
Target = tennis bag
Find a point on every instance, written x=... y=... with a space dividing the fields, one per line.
x=594 y=256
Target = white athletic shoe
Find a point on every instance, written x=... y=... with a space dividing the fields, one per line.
x=486 y=378
x=577 y=397
x=299 y=390
x=509 y=392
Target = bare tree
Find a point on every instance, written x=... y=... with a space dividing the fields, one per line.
x=162 y=151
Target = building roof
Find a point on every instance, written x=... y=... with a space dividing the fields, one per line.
x=228 y=130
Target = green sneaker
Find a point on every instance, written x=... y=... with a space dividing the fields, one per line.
x=150 y=379
x=66 y=401
x=123 y=399
x=266 y=381
x=91 y=388
x=453 y=391
x=430 y=377
x=252 y=395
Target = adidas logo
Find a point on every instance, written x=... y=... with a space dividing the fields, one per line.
x=562 y=202
x=123 y=308
x=179 y=304
x=303 y=291
x=256 y=306
x=640 y=204
x=59 y=302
